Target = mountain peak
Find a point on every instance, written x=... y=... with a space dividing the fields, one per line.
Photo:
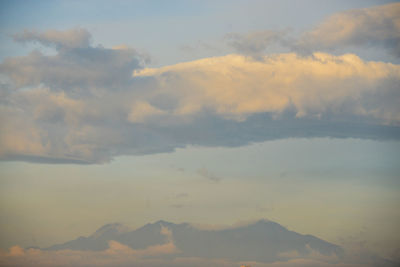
x=162 y=222
x=268 y=222
x=111 y=228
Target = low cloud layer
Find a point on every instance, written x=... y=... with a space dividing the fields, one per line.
x=165 y=255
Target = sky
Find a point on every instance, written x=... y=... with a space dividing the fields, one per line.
x=207 y=112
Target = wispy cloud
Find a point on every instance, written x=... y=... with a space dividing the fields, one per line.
x=255 y=43
x=375 y=26
x=74 y=38
x=204 y=172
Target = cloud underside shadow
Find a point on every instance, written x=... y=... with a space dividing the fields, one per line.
x=219 y=132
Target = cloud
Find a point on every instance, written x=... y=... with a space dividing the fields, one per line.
x=122 y=256
x=116 y=255
x=377 y=27
x=235 y=87
x=142 y=111
x=74 y=38
x=167 y=233
x=81 y=71
x=255 y=43
x=208 y=174
x=374 y=26
x=90 y=104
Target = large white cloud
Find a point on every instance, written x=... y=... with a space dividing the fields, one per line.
x=234 y=86
x=88 y=104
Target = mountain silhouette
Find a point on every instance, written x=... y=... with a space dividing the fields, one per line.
x=263 y=241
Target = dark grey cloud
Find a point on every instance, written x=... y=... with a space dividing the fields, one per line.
x=75 y=69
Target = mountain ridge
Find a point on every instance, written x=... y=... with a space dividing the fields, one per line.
x=263 y=240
